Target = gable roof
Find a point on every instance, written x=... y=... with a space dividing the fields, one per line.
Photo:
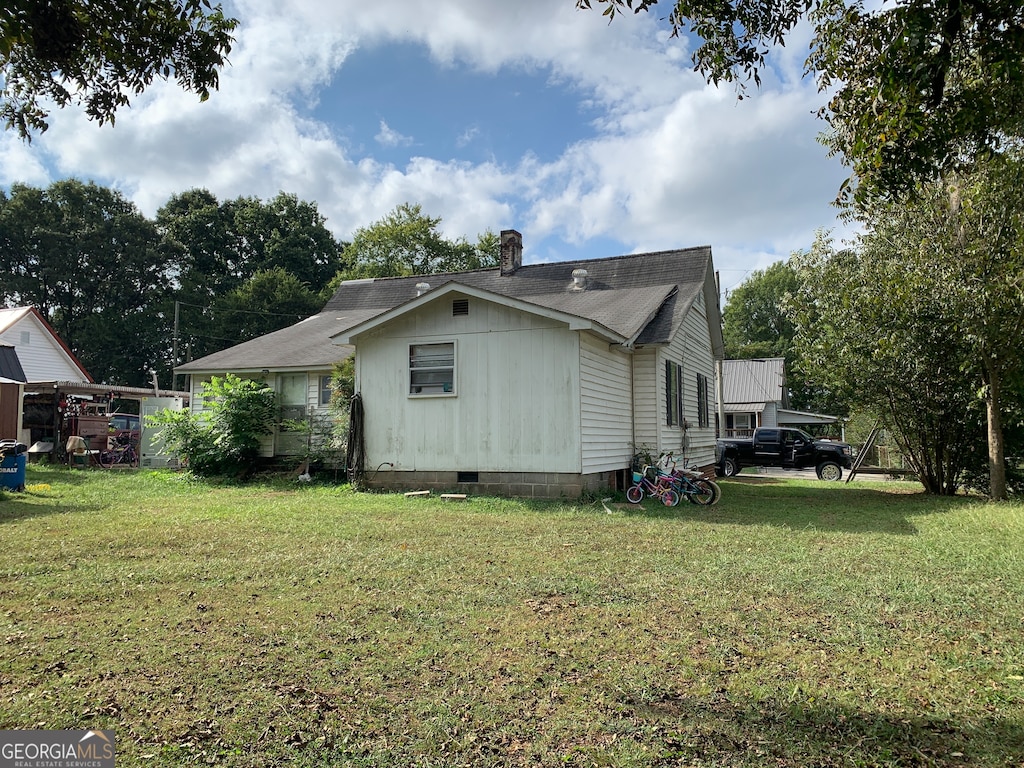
x=753 y=381
x=635 y=299
x=10 y=317
x=641 y=297
x=616 y=317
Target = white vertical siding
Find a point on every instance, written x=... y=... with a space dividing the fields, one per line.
x=606 y=406
x=516 y=402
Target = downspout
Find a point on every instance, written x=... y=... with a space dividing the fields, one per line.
x=719 y=364
x=719 y=394
x=632 y=403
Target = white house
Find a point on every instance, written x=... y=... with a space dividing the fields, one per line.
x=43 y=355
x=532 y=380
x=755 y=394
x=297 y=361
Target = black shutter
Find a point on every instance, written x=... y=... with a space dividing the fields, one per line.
x=668 y=392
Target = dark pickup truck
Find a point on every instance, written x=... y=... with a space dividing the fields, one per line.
x=784 y=447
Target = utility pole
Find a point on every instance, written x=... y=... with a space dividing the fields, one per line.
x=174 y=348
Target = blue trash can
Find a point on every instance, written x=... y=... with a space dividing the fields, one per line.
x=12 y=467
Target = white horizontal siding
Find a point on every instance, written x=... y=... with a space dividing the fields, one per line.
x=691 y=349
x=647 y=404
x=606 y=406
x=693 y=346
x=41 y=355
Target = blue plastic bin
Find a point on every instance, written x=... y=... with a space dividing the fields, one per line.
x=12 y=472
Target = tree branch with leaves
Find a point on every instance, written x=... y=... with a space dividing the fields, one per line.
x=100 y=53
x=915 y=87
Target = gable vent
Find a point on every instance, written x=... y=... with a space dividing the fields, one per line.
x=460 y=307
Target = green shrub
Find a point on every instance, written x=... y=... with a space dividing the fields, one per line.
x=225 y=438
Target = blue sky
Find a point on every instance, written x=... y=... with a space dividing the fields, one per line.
x=591 y=139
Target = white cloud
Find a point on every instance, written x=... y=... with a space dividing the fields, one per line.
x=388 y=137
x=19 y=164
x=673 y=162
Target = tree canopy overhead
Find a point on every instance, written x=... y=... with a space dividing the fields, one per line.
x=98 y=53
x=915 y=86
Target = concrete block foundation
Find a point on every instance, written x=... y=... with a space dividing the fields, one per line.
x=530 y=485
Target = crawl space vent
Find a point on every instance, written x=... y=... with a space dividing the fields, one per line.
x=467 y=477
x=460 y=307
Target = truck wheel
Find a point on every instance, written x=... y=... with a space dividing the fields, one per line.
x=829 y=470
x=730 y=468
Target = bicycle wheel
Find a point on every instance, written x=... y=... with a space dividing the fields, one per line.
x=634 y=494
x=717 y=489
x=105 y=459
x=132 y=457
x=705 y=493
x=669 y=497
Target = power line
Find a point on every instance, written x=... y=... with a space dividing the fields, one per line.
x=243 y=311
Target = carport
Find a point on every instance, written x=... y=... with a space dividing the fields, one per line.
x=56 y=410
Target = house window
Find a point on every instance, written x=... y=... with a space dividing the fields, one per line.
x=292 y=391
x=703 y=411
x=740 y=425
x=673 y=394
x=432 y=369
x=326 y=390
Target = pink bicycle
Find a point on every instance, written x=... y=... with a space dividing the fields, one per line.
x=658 y=486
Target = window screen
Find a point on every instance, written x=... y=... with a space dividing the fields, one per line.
x=432 y=369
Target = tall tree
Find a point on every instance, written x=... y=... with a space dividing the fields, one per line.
x=757 y=323
x=407 y=242
x=98 y=53
x=919 y=320
x=266 y=302
x=966 y=235
x=93 y=266
x=286 y=233
x=220 y=247
x=869 y=327
x=916 y=86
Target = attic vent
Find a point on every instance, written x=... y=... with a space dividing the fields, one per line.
x=422 y=288
x=460 y=307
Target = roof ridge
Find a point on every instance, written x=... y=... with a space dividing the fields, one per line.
x=487 y=270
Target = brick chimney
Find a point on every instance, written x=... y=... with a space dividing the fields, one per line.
x=511 y=251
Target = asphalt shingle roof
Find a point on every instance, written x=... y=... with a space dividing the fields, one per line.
x=642 y=296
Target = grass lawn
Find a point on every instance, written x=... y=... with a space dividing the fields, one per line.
x=797 y=623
